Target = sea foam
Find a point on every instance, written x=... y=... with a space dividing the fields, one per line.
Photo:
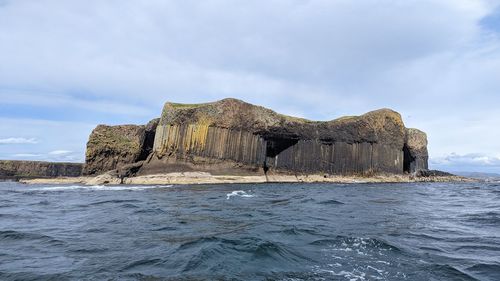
x=239 y=193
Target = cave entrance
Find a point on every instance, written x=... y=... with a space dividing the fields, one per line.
x=407 y=159
x=274 y=146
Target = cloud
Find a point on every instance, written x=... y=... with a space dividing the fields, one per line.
x=60 y=152
x=110 y=61
x=53 y=156
x=469 y=159
x=54 y=100
x=57 y=140
x=27 y=155
x=467 y=162
x=17 y=140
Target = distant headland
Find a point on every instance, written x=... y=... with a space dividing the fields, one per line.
x=234 y=141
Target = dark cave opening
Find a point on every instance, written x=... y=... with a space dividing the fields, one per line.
x=275 y=146
x=407 y=159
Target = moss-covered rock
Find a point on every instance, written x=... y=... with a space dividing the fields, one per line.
x=111 y=147
x=381 y=126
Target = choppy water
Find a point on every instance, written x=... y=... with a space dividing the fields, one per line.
x=251 y=232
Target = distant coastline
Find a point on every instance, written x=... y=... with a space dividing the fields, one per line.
x=20 y=169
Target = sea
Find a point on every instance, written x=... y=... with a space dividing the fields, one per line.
x=404 y=231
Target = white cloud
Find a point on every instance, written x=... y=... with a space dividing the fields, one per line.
x=469 y=159
x=467 y=162
x=27 y=155
x=430 y=59
x=17 y=140
x=60 y=152
x=51 y=136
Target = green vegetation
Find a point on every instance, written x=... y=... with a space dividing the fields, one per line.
x=186 y=105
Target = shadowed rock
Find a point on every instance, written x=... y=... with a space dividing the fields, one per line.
x=415 y=151
x=11 y=169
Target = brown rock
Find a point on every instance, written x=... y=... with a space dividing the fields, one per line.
x=237 y=138
x=415 y=150
x=231 y=135
x=12 y=169
x=111 y=147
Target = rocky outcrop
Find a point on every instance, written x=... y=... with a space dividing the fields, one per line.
x=12 y=169
x=234 y=137
x=415 y=151
x=230 y=136
x=111 y=147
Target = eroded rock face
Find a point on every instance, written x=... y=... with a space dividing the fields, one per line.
x=233 y=134
x=111 y=147
x=382 y=126
x=10 y=169
x=415 y=149
x=234 y=137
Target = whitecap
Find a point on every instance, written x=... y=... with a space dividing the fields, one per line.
x=239 y=193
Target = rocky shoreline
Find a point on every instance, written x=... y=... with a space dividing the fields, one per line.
x=207 y=178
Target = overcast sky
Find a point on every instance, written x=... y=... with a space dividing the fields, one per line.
x=66 y=66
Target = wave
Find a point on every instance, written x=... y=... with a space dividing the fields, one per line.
x=13 y=235
x=142 y=263
x=331 y=202
x=478 y=247
x=238 y=193
x=33 y=276
x=99 y=187
x=115 y=201
x=490 y=271
x=202 y=251
x=486 y=218
x=359 y=244
x=296 y=231
x=449 y=272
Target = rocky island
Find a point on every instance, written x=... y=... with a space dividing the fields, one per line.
x=234 y=141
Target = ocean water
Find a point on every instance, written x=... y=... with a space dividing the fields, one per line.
x=427 y=231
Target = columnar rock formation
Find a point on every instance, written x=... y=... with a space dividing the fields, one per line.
x=234 y=137
x=11 y=169
x=415 y=151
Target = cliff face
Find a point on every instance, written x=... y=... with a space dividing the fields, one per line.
x=234 y=137
x=258 y=137
x=111 y=147
x=10 y=169
x=415 y=151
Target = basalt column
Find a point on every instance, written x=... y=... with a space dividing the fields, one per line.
x=231 y=136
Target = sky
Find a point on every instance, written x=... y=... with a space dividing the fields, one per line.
x=66 y=66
